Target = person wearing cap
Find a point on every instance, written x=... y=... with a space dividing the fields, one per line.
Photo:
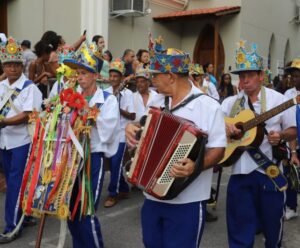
x=291 y=194
x=255 y=193
x=86 y=231
x=118 y=188
x=18 y=98
x=207 y=87
x=144 y=96
x=179 y=222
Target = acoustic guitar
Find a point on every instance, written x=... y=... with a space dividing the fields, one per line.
x=252 y=130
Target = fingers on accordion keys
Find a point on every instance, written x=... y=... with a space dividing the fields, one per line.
x=138 y=134
x=143 y=120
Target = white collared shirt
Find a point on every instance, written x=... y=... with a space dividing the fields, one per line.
x=291 y=93
x=284 y=120
x=139 y=107
x=126 y=103
x=205 y=112
x=104 y=137
x=29 y=99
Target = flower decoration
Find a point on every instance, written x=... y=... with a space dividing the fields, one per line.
x=272 y=171
x=77 y=101
x=65 y=95
x=240 y=58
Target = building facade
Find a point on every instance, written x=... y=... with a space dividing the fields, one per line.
x=207 y=29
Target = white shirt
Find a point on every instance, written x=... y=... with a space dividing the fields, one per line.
x=211 y=89
x=291 y=93
x=205 y=112
x=126 y=103
x=139 y=107
x=284 y=120
x=104 y=137
x=29 y=99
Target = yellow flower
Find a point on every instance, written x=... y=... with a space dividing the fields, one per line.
x=272 y=171
x=11 y=48
x=240 y=58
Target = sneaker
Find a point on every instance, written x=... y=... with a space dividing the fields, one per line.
x=110 y=201
x=290 y=214
x=6 y=238
x=210 y=217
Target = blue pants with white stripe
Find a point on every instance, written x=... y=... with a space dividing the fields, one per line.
x=172 y=225
x=117 y=182
x=86 y=231
x=14 y=161
x=253 y=200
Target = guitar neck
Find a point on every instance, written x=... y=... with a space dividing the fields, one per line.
x=268 y=115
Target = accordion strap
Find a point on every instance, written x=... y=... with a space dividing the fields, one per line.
x=182 y=104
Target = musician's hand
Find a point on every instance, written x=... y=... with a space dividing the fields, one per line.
x=232 y=130
x=274 y=138
x=184 y=168
x=294 y=159
x=130 y=132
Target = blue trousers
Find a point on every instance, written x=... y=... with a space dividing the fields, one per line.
x=253 y=200
x=172 y=225
x=117 y=182
x=86 y=232
x=14 y=161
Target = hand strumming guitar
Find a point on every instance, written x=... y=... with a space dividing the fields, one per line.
x=232 y=130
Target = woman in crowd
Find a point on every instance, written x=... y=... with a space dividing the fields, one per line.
x=226 y=88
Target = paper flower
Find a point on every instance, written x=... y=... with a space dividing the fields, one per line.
x=65 y=95
x=77 y=101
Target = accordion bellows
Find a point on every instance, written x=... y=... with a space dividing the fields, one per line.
x=165 y=139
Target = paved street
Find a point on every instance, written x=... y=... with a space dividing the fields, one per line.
x=121 y=226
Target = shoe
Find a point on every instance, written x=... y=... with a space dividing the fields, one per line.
x=110 y=201
x=290 y=214
x=4 y=238
x=29 y=221
x=123 y=195
x=210 y=217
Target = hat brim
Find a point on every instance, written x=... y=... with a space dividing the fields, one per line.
x=73 y=64
x=13 y=61
x=290 y=69
x=115 y=70
x=236 y=72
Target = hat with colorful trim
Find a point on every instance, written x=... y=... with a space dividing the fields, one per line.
x=196 y=69
x=11 y=51
x=85 y=59
x=168 y=60
x=65 y=52
x=142 y=72
x=247 y=58
x=117 y=65
x=294 y=66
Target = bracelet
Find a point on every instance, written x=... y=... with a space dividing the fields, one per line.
x=293 y=151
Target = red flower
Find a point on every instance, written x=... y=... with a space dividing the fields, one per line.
x=65 y=95
x=77 y=101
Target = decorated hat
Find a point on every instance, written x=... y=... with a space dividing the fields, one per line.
x=142 y=72
x=65 y=52
x=168 y=60
x=247 y=58
x=117 y=65
x=294 y=66
x=196 y=69
x=85 y=59
x=11 y=51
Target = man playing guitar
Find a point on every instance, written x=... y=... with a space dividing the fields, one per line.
x=255 y=194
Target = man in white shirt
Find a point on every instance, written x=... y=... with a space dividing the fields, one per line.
x=118 y=188
x=179 y=222
x=255 y=196
x=291 y=194
x=86 y=231
x=18 y=97
x=143 y=97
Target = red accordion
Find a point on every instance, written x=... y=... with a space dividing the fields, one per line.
x=165 y=139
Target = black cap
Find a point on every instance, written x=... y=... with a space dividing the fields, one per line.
x=26 y=43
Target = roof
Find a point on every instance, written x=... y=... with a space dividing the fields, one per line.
x=218 y=11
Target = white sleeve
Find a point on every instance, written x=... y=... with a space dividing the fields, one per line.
x=226 y=106
x=129 y=102
x=108 y=121
x=31 y=98
x=213 y=91
x=217 y=133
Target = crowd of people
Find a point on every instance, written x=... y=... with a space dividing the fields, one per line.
x=259 y=193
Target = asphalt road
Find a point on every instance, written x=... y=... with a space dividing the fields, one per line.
x=121 y=226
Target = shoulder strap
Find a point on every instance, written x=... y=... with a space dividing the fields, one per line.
x=106 y=95
x=182 y=104
x=25 y=85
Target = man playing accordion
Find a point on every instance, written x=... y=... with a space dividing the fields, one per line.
x=179 y=222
